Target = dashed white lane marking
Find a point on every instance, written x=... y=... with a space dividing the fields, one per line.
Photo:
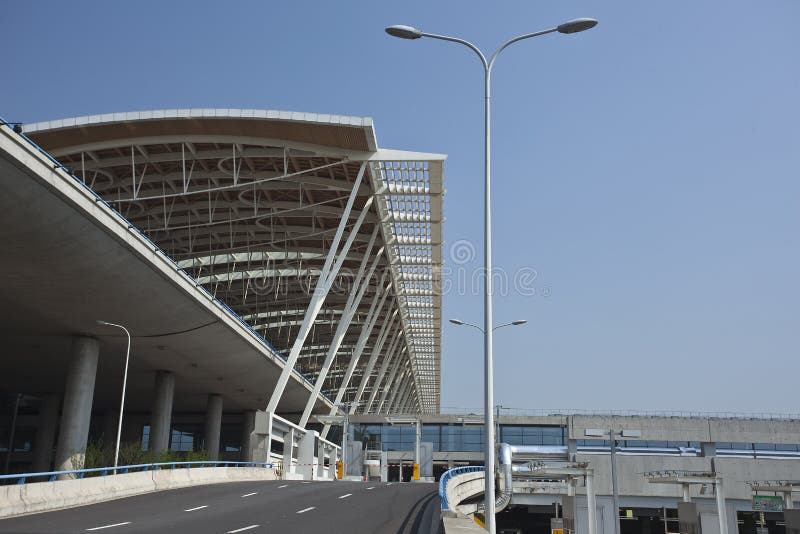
x=109 y=526
x=389 y=484
x=249 y=494
x=196 y=508
x=371 y=487
x=304 y=510
x=279 y=487
x=305 y=482
x=242 y=529
x=346 y=495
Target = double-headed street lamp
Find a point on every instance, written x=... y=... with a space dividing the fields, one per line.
x=124 y=385
x=613 y=435
x=409 y=32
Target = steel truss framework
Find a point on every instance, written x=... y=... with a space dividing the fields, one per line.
x=332 y=252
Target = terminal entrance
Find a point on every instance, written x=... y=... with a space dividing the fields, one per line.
x=754 y=523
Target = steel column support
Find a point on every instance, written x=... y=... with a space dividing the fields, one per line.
x=389 y=357
x=393 y=393
x=372 y=317
x=324 y=283
x=392 y=375
x=406 y=393
x=360 y=285
x=383 y=335
x=400 y=392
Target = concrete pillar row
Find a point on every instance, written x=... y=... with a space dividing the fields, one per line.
x=46 y=432
x=161 y=415
x=213 y=425
x=76 y=413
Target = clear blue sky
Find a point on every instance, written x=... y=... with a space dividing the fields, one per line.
x=648 y=170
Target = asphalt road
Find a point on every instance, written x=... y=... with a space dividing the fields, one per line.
x=251 y=507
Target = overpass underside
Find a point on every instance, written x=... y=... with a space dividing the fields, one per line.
x=261 y=261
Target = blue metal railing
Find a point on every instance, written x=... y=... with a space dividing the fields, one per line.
x=450 y=473
x=158 y=250
x=124 y=469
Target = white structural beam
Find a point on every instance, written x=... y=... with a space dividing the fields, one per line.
x=388 y=359
x=372 y=316
x=399 y=387
x=324 y=283
x=385 y=389
x=360 y=285
x=383 y=335
x=401 y=393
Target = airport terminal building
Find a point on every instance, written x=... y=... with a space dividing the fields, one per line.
x=260 y=260
x=247 y=277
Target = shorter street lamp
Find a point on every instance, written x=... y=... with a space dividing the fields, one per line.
x=613 y=435
x=124 y=385
x=459 y=322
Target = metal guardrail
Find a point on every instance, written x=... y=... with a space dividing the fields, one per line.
x=158 y=250
x=123 y=469
x=450 y=473
x=561 y=412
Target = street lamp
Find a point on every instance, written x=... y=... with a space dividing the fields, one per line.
x=124 y=385
x=409 y=32
x=459 y=322
x=612 y=435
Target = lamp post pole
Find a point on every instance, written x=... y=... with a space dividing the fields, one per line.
x=614 y=481
x=408 y=32
x=124 y=385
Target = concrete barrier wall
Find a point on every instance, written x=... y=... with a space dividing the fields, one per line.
x=44 y=496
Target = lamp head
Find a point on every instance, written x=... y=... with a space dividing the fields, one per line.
x=519 y=322
x=404 y=32
x=576 y=25
x=101 y=322
x=457 y=321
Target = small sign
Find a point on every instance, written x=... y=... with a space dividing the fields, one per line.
x=558 y=531
x=767 y=503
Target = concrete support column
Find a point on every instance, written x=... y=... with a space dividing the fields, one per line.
x=686 y=496
x=77 y=411
x=161 y=416
x=788 y=503
x=305 y=454
x=248 y=427
x=45 y=432
x=322 y=450
x=213 y=425
x=591 y=502
x=288 y=451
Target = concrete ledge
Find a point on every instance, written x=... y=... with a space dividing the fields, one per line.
x=44 y=496
x=462 y=487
